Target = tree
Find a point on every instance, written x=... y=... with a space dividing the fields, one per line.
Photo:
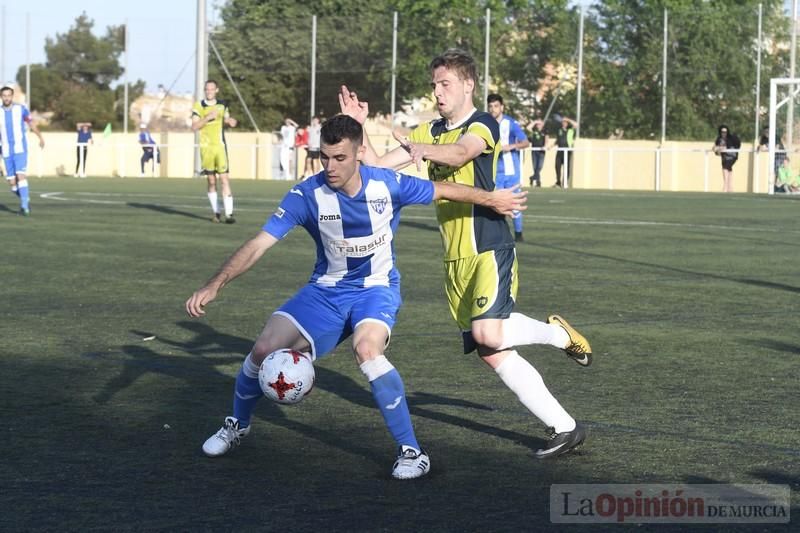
x=80 y=57
x=75 y=82
x=711 y=66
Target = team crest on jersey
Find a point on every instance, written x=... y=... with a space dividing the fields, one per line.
x=379 y=204
x=482 y=301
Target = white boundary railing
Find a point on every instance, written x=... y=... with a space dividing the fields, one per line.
x=119 y=158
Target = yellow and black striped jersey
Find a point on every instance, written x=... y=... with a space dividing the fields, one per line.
x=467 y=229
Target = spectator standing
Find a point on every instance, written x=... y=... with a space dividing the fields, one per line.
x=312 y=160
x=565 y=140
x=538 y=139
x=149 y=148
x=84 y=140
x=288 y=132
x=727 y=147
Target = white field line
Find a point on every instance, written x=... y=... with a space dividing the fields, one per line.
x=406 y=216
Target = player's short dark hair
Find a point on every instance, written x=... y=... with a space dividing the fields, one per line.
x=6 y=88
x=341 y=127
x=457 y=60
x=212 y=81
x=494 y=97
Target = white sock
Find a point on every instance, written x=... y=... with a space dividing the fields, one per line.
x=212 y=198
x=227 y=201
x=520 y=376
x=249 y=368
x=521 y=330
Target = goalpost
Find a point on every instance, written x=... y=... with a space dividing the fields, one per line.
x=781 y=126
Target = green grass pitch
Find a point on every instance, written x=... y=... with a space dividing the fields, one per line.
x=691 y=303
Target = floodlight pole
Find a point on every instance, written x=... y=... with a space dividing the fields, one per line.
x=664 y=83
x=793 y=57
x=125 y=79
x=200 y=68
x=394 y=63
x=313 y=67
x=28 y=59
x=3 y=44
x=486 y=61
x=580 y=75
x=758 y=77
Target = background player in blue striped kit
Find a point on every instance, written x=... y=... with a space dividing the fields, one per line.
x=351 y=212
x=14 y=120
x=512 y=140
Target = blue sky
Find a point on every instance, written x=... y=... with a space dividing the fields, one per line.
x=162 y=34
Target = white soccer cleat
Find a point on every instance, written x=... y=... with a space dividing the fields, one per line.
x=411 y=463
x=227 y=438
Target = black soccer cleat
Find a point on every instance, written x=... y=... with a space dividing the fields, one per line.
x=561 y=443
x=216 y=218
x=229 y=219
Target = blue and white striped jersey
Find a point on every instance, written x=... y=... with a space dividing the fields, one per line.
x=354 y=236
x=13 y=120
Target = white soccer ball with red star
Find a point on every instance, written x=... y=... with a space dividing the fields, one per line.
x=286 y=376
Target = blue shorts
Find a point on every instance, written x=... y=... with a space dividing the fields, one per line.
x=327 y=315
x=16 y=164
x=506 y=182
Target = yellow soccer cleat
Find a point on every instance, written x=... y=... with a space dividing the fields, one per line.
x=578 y=348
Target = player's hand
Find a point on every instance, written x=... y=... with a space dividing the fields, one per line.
x=41 y=143
x=507 y=201
x=416 y=151
x=198 y=300
x=506 y=147
x=350 y=105
x=232 y=122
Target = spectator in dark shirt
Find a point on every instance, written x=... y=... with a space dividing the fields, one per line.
x=727 y=147
x=538 y=140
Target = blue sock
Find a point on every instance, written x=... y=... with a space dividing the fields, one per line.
x=247 y=392
x=390 y=396
x=24 y=199
x=517 y=221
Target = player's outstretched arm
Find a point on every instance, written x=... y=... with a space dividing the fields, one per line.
x=504 y=201
x=240 y=262
x=457 y=154
x=350 y=105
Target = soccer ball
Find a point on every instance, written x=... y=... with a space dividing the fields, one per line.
x=286 y=376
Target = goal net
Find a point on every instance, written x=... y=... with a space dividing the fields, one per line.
x=783 y=131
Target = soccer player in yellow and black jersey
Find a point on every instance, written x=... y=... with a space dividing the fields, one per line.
x=210 y=117
x=480 y=258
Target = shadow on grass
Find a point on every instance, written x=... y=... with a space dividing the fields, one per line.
x=201 y=368
x=165 y=210
x=746 y=281
x=7 y=209
x=774 y=345
x=779 y=478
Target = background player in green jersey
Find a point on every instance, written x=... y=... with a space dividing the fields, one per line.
x=210 y=116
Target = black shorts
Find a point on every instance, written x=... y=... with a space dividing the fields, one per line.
x=727 y=164
x=313 y=154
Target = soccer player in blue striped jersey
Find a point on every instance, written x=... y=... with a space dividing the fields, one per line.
x=14 y=120
x=352 y=213
x=512 y=140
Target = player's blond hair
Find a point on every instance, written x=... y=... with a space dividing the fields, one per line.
x=457 y=60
